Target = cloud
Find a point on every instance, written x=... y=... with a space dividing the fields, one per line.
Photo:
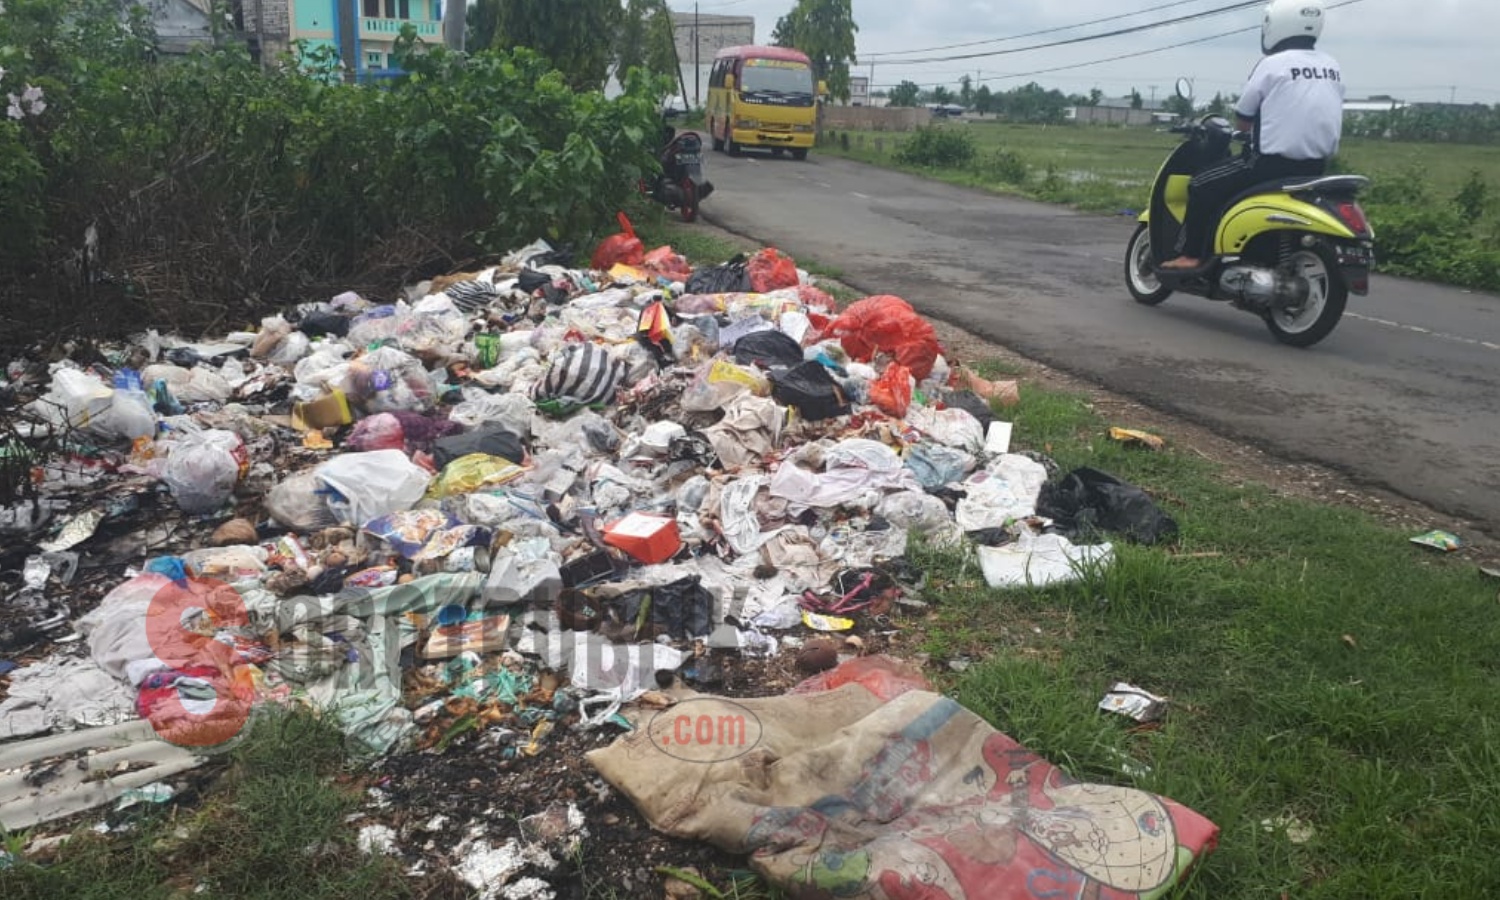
x=1384 y=46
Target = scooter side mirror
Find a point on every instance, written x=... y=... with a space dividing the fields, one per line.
x=1184 y=89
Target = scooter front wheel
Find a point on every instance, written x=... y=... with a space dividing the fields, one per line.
x=689 y=208
x=1140 y=269
x=1313 y=320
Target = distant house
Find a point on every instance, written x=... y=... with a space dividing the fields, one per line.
x=1376 y=104
x=859 y=90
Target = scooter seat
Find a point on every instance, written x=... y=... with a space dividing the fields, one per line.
x=1325 y=184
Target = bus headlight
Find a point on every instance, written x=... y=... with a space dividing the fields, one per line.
x=803 y=129
x=743 y=122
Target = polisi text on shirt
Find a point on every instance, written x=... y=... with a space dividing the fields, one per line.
x=1319 y=74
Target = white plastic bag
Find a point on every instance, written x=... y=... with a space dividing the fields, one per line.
x=296 y=504
x=1040 y=560
x=203 y=468
x=373 y=484
x=116 y=628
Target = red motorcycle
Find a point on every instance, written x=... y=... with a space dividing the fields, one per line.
x=681 y=184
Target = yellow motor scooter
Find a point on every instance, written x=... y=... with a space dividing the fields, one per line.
x=1290 y=251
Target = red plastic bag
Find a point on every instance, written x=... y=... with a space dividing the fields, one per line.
x=891 y=392
x=816 y=298
x=887 y=324
x=620 y=248
x=772 y=270
x=667 y=263
x=382 y=431
x=882 y=676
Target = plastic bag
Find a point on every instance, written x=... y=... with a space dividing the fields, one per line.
x=387 y=380
x=289 y=350
x=510 y=411
x=369 y=485
x=382 y=431
x=882 y=676
x=891 y=392
x=771 y=270
x=811 y=390
x=974 y=405
x=886 y=324
x=476 y=471
x=617 y=249
x=298 y=504
x=1087 y=500
x=203 y=468
x=726 y=278
x=935 y=465
x=664 y=262
x=767 y=349
x=495 y=440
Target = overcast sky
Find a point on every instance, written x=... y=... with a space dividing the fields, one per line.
x=1427 y=50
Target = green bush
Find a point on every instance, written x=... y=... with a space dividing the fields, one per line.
x=1422 y=237
x=936 y=147
x=1002 y=165
x=216 y=185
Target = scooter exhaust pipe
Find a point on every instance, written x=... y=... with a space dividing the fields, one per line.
x=1260 y=289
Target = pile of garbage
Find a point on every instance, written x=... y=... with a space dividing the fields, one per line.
x=514 y=501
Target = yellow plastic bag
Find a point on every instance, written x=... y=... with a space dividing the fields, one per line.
x=474 y=472
x=723 y=371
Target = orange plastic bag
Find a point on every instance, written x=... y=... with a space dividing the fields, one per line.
x=886 y=324
x=772 y=270
x=664 y=262
x=883 y=676
x=624 y=248
x=891 y=392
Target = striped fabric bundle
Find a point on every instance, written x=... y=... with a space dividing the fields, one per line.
x=472 y=296
x=581 y=373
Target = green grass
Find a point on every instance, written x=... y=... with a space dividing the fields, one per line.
x=1319 y=666
x=272 y=827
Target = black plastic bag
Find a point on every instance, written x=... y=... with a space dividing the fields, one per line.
x=491 y=439
x=732 y=277
x=682 y=609
x=974 y=405
x=811 y=390
x=532 y=281
x=318 y=323
x=767 y=349
x=1086 y=501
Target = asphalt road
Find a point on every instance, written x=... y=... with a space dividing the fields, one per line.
x=1404 y=394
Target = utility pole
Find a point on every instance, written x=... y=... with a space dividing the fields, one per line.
x=697 y=69
x=1153 y=96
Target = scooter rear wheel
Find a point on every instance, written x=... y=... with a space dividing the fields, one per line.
x=1140 y=269
x=1327 y=295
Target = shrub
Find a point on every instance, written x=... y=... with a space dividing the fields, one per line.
x=215 y=185
x=937 y=147
x=1005 y=166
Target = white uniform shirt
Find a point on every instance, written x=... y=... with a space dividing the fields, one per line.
x=1299 y=97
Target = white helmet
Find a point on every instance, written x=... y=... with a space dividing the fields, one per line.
x=1290 y=19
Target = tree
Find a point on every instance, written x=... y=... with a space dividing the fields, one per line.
x=661 y=42
x=630 y=42
x=1095 y=96
x=481 y=25
x=824 y=30
x=574 y=35
x=1136 y=101
x=1180 y=106
x=984 y=100
x=966 y=92
x=906 y=94
x=941 y=95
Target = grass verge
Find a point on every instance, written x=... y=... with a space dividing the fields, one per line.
x=273 y=827
x=1324 y=674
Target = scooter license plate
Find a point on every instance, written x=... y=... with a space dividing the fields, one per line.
x=688 y=159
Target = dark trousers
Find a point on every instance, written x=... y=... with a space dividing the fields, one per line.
x=1212 y=188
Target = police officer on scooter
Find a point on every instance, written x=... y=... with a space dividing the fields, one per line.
x=1294 y=102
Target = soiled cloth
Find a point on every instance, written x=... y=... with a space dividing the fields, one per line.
x=750 y=428
x=63 y=695
x=839 y=794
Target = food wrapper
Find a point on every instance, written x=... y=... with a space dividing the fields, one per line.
x=1129 y=700
x=820 y=622
x=1446 y=541
x=408 y=532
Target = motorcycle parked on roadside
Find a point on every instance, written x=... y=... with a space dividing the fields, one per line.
x=681 y=184
x=1290 y=250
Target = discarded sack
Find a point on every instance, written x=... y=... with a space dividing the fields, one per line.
x=1086 y=501
x=842 y=794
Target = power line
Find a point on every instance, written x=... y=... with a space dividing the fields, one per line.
x=1118 y=32
x=1017 y=37
x=1138 y=53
